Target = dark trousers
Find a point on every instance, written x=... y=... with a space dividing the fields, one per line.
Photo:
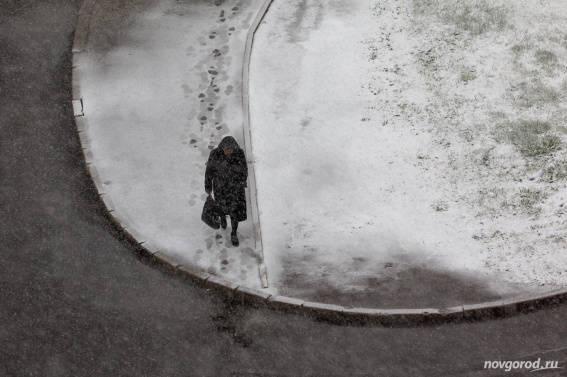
x=233 y=222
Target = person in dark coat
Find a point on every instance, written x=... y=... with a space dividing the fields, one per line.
x=226 y=177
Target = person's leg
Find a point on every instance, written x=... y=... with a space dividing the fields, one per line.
x=221 y=209
x=233 y=236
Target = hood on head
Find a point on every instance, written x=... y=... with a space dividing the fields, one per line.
x=228 y=143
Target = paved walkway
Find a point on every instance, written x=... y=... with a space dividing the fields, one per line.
x=160 y=84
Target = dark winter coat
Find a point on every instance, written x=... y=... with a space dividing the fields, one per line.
x=226 y=177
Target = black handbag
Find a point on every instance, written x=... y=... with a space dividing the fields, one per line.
x=211 y=213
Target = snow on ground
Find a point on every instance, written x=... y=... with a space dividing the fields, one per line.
x=395 y=134
x=407 y=153
x=161 y=86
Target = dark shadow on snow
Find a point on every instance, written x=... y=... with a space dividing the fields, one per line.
x=410 y=287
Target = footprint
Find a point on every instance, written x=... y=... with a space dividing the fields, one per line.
x=192 y=201
x=196 y=257
x=209 y=242
x=212 y=270
x=251 y=253
x=187 y=90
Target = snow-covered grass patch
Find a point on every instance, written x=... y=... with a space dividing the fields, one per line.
x=495 y=74
x=435 y=128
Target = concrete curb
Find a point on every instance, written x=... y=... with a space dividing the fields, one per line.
x=244 y=295
x=248 y=140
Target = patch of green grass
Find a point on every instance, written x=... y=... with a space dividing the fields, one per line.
x=535 y=127
x=556 y=172
x=484 y=156
x=520 y=47
x=548 y=61
x=474 y=16
x=440 y=206
x=536 y=93
x=535 y=146
x=467 y=76
x=531 y=138
x=525 y=200
x=545 y=56
x=529 y=197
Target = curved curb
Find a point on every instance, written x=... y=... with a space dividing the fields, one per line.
x=332 y=313
x=248 y=139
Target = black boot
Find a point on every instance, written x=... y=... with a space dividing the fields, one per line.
x=234 y=239
x=223 y=221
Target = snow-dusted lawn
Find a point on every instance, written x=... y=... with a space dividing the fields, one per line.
x=393 y=134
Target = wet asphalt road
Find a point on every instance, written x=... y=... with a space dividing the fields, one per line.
x=76 y=299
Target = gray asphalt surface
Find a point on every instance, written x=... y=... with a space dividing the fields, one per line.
x=77 y=299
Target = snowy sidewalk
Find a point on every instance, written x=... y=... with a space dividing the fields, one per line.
x=161 y=86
